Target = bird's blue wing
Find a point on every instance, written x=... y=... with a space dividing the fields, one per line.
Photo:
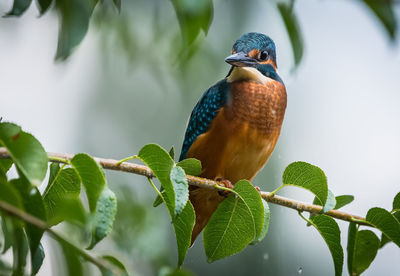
x=204 y=112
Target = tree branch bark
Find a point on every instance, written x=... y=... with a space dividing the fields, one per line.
x=111 y=164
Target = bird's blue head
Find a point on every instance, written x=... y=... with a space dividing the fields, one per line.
x=253 y=49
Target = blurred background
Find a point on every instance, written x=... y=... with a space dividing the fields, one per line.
x=131 y=82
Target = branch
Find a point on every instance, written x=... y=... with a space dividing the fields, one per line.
x=112 y=164
x=15 y=212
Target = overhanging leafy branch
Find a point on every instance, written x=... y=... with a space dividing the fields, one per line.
x=112 y=164
x=100 y=263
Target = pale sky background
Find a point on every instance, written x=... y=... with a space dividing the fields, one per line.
x=342 y=115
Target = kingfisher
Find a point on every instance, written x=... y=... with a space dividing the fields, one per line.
x=235 y=125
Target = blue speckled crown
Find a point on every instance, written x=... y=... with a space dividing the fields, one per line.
x=250 y=41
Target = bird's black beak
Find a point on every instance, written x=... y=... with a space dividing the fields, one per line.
x=241 y=60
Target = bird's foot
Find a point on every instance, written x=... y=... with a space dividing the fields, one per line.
x=227 y=184
x=258 y=190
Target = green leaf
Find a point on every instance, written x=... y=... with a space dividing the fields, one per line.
x=105 y=215
x=238 y=220
x=115 y=262
x=307 y=176
x=54 y=169
x=229 y=230
x=365 y=250
x=5 y=268
x=26 y=152
x=329 y=205
x=9 y=194
x=193 y=16
x=397 y=215
x=293 y=30
x=19 y=7
x=264 y=230
x=37 y=259
x=34 y=205
x=191 y=166
x=172 y=152
x=396 y=202
x=362 y=247
x=158 y=199
x=20 y=251
x=254 y=202
x=343 y=200
x=329 y=230
x=64 y=185
x=351 y=241
x=92 y=177
x=183 y=225
x=330 y=202
x=117 y=4
x=181 y=188
x=384 y=238
x=71 y=258
x=69 y=209
x=44 y=5
x=7 y=228
x=5 y=165
x=161 y=163
x=74 y=16
x=384 y=12
x=386 y=222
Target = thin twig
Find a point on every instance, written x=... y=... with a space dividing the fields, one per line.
x=15 y=212
x=112 y=164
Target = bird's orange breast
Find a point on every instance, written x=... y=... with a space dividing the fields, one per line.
x=244 y=133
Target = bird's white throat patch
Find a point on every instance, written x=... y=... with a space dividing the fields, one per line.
x=247 y=73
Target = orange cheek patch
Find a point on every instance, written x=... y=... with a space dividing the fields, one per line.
x=254 y=53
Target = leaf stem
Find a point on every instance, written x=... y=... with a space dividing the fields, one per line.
x=156 y=189
x=126 y=159
x=219 y=187
x=277 y=189
x=306 y=219
x=60 y=160
x=361 y=221
x=15 y=212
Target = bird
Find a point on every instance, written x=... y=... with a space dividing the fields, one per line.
x=234 y=127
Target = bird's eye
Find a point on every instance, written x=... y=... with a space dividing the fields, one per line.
x=263 y=55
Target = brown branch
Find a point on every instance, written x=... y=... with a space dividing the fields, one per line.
x=112 y=164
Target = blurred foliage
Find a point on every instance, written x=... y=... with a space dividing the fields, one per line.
x=292 y=27
x=137 y=232
x=193 y=17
